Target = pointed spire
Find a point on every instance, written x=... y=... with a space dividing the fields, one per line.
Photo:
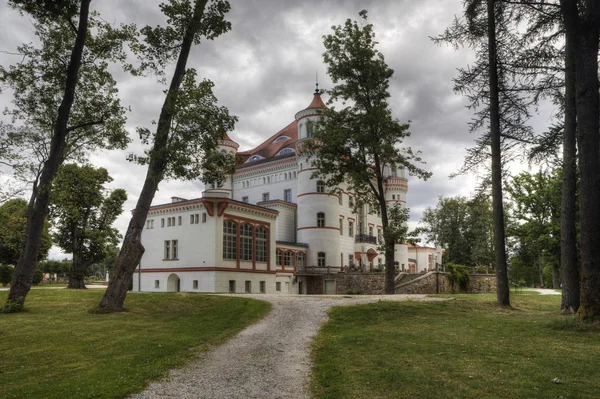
x=317 y=82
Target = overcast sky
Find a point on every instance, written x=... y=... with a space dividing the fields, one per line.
x=264 y=72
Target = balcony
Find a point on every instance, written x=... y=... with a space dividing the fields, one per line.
x=316 y=270
x=365 y=238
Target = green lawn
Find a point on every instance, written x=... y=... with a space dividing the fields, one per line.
x=465 y=348
x=56 y=349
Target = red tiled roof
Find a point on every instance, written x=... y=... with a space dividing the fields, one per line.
x=268 y=149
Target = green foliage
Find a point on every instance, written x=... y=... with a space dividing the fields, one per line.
x=13 y=232
x=6 y=273
x=69 y=353
x=463 y=227
x=83 y=212
x=360 y=144
x=97 y=118
x=534 y=223
x=459 y=276
x=57 y=267
x=38 y=275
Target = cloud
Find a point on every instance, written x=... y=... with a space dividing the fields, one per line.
x=264 y=71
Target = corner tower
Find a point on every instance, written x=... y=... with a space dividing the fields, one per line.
x=226 y=146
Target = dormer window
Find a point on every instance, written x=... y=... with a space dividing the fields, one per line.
x=255 y=158
x=285 y=151
x=281 y=138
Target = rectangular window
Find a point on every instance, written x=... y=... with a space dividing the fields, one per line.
x=300 y=260
x=167 y=250
x=278 y=255
x=231 y=285
x=287 y=195
x=341 y=199
x=156 y=284
x=246 y=234
x=320 y=186
x=174 y=244
x=321 y=259
x=350 y=228
x=379 y=236
x=379 y=262
x=278 y=286
x=162 y=222
x=320 y=219
x=245 y=199
x=261 y=244
x=350 y=259
x=179 y=220
x=341 y=226
x=351 y=202
x=173 y=221
x=262 y=287
x=288 y=258
x=204 y=218
x=196 y=217
x=195 y=284
x=191 y=219
x=265 y=196
x=371 y=231
x=248 y=286
x=229 y=240
x=152 y=224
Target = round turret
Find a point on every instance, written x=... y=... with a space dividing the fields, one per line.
x=226 y=146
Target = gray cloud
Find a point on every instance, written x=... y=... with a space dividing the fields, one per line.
x=264 y=72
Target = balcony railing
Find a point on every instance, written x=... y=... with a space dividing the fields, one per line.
x=365 y=238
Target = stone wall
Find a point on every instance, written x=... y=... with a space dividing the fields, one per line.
x=439 y=283
x=430 y=283
x=360 y=283
x=482 y=283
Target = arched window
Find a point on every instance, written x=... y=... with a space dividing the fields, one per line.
x=281 y=138
x=261 y=244
x=321 y=219
x=320 y=186
x=229 y=240
x=321 y=260
x=246 y=233
x=285 y=151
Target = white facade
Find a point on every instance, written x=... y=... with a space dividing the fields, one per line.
x=190 y=243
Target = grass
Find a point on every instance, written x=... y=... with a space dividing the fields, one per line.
x=56 y=349
x=465 y=348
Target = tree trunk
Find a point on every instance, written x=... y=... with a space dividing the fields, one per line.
x=541 y=269
x=502 y=292
x=77 y=273
x=568 y=203
x=132 y=249
x=585 y=26
x=23 y=274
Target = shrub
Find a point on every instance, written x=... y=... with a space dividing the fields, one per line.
x=459 y=276
x=6 y=273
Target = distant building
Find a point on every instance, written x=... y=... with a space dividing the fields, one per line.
x=270 y=228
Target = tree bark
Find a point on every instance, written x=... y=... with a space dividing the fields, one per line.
x=568 y=232
x=132 y=249
x=585 y=26
x=502 y=292
x=24 y=271
x=77 y=273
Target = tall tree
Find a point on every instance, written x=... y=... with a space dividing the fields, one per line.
x=463 y=227
x=65 y=102
x=83 y=213
x=359 y=143
x=188 y=129
x=13 y=227
x=582 y=25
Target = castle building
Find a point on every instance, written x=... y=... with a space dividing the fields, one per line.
x=271 y=227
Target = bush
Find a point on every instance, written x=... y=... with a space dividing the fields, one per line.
x=459 y=276
x=38 y=275
x=6 y=273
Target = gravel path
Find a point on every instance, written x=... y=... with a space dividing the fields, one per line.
x=269 y=359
